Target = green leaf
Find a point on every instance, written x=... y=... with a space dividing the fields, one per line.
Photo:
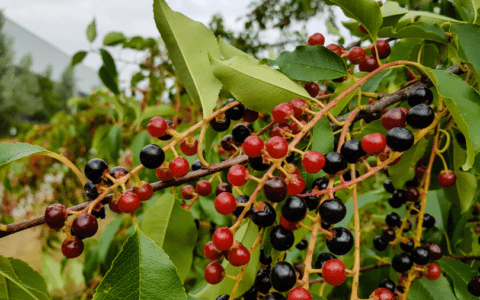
x=462 y=193
x=20 y=281
x=367 y=12
x=210 y=136
x=91 y=31
x=228 y=51
x=364 y=199
x=141 y=140
x=109 y=63
x=189 y=43
x=476 y=7
x=463 y=103
x=161 y=110
x=431 y=290
x=10 y=152
x=322 y=141
x=141 y=271
x=401 y=49
x=172 y=228
x=115 y=138
x=404 y=170
x=468 y=43
x=428 y=55
x=78 y=58
x=52 y=272
x=258 y=87
x=107 y=237
x=114 y=38
x=392 y=12
x=424 y=17
x=337 y=109
x=461 y=274
x=246 y=234
x=108 y=80
x=425 y=31
x=310 y=63
x=135 y=42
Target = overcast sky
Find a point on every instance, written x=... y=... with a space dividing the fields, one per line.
x=63 y=22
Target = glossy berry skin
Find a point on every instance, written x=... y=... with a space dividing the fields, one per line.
x=316 y=39
x=283 y=276
x=420 y=255
x=399 y=139
x=292 y=226
x=332 y=211
x=263 y=217
x=258 y=164
x=446 y=178
x=211 y=252
x=157 y=127
x=420 y=95
x=227 y=143
x=333 y=272
x=214 y=273
x=253 y=146
x=282 y=112
x=396 y=117
x=374 y=143
x=388 y=284
x=236 y=112
x=262 y=280
x=412 y=194
x=294 y=209
x=203 y=188
x=370 y=64
x=295 y=185
x=274 y=296
x=382 y=294
x=85 y=225
x=402 y=262
x=237 y=175
x=281 y=238
x=94 y=169
x=420 y=116
x=113 y=205
x=263 y=259
x=240 y=132
x=383 y=49
x=434 y=272
x=356 y=55
x=342 y=242
x=335 y=48
x=239 y=256
x=220 y=123
x=322 y=259
x=222 y=187
x=251 y=294
x=280 y=130
x=223 y=297
x=299 y=293
x=163 y=174
x=275 y=189
x=179 y=167
x=189 y=146
x=239 y=209
x=434 y=251
x=312 y=88
x=352 y=151
x=225 y=203
x=223 y=238
x=55 y=215
x=129 y=202
x=388 y=234
x=277 y=147
x=90 y=190
x=313 y=161
x=334 y=163
x=188 y=192
x=311 y=201
x=393 y=219
x=152 y=156
x=145 y=192
x=428 y=221
x=72 y=247
x=320 y=183
x=250 y=115
x=298 y=105
x=302 y=245
x=474 y=286
x=379 y=243
x=167 y=136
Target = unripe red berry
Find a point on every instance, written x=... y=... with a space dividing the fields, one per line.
x=383 y=49
x=203 y=188
x=211 y=252
x=299 y=293
x=282 y=112
x=72 y=247
x=370 y=64
x=277 y=147
x=214 y=273
x=335 y=48
x=188 y=192
x=295 y=185
x=157 y=127
x=313 y=161
x=225 y=203
x=316 y=39
x=396 y=117
x=189 y=146
x=434 y=272
x=356 y=55
x=253 y=146
x=55 y=215
x=163 y=173
x=113 y=205
x=447 y=178
x=374 y=143
x=333 y=271
x=223 y=238
x=237 y=175
x=145 y=192
x=129 y=202
x=239 y=256
x=298 y=105
x=292 y=226
x=382 y=294
x=179 y=167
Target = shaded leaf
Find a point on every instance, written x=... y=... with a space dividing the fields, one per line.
x=52 y=272
x=10 y=152
x=461 y=274
x=425 y=31
x=108 y=80
x=427 y=55
x=367 y=12
x=78 y=58
x=431 y=290
x=115 y=138
x=468 y=43
x=404 y=170
x=337 y=109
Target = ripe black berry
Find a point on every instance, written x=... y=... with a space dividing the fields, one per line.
x=388 y=186
x=388 y=234
x=197 y=165
x=420 y=116
x=397 y=199
x=251 y=294
x=90 y=190
x=474 y=286
x=379 y=243
x=322 y=259
x=420 y=255
x=321 y=183
x=434 y=251
x=334 y=163
x=257 y=163
x=274 y=296
x=239 y=209
x=420 y=95
x=262 y=280
x=263 y=259
x=342 y=242
x=281 y=238
x=223 y=297
x=347 y=176
x=302 y=245
x=283 y=276
x=275 y=189
x=311 y=201
x=167 y=136
x=236 y=112
x=332 y=211
x=325 y=225
x=264 y=216
x=227 y=142
x=402 y=262
x=240 y=132
x=290 y=157
x=428 y=221
x=388 y=284
x=152 y=156
x=408 y=226
x=220 y=123
x=294 y=209
x=94 y=169
x=393 y=219
x=400 y=139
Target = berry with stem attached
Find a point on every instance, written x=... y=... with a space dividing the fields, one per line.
x=281 y=238
x=370 y=64
x=85 y=225
x=282 y=112
x=179 y=167
x=446 y=178
x=55 y=215
x=90 y=190
x=277 y=147
x=383 y=49
x=332 y=211
x=157 y=127
x=220 y=123
x=341 y=242
x=189 y=146
x=235 y=112
x=237 y=175
x=152 y=156
x=253 y=146
x=129 y=202
x=188 y=192
x=356 y=55
x=203 y=188
x=223 y=238
x=239 y=256
x=298 y=105
x=163 y=174
x=333 y=272
x=113 y=205
x=313 y=161
x=264 y=215
x=223 y=187
x=211 y=252
x=227 y=143
x=239 y=209
x=225 y=203
x=374 y=143
x=433 y=272
x=167 y=136
x=72 y=247
x=295 y=185
x=420 y=255
x=145 y=192
x=322 y=259
x=94 y=169
x=214 y=273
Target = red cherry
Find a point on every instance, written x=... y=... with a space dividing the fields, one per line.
x=277 y=147
x=295 y=127
x=223 y=238
x=211 y=252
x=214 y=273
x=395 y=117
x=55 y=215
x=434 y=272
x=299 y=293
x=362 y=29
x=72 y=247
x=189 y=146
x=291 y=169
x=225 y=203
x=188 y=192
x=356 y=55
x=446 y=178
x=313 y=161
x=253 y=146
x=237 y=175
x=203 y=188
x=239 y=256
x=295 y=185
x=370 y=64
x=145 y=192
x=316 y=39
x=282 y=112
x=129 y=202
x=298 y=105
x=382 y=294
x=179 y=167
x=333 y=272
x=113 y=205
x=157 y=127
x=374 y=143
x=292 y=226
x=163 y=174
x=312 y=88
x=335 y=48
x=280 y=130
x=383 y=49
